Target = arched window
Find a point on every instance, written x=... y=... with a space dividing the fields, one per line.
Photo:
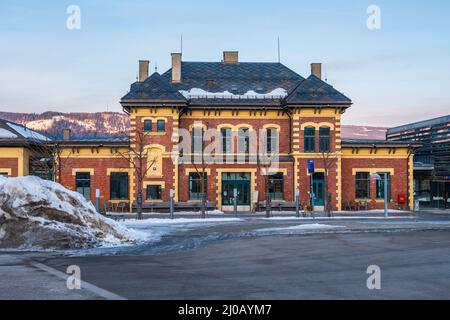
x=197 y=139
x=227 y=139
x=147 y=125
x=310 y=139
x=324 y=139
x=161 y=126
x=271 y=140
x=244 y=140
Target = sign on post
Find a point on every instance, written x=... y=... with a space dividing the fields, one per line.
x=311 y=168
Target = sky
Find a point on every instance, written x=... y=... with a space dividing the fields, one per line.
x=395 y=75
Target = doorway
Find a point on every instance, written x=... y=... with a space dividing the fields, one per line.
x=319 y=189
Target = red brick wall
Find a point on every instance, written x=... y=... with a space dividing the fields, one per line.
x=398 y=180
x=11 y=163
x=100 y=179
x=257 y=124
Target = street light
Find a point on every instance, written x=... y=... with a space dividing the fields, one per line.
x=377 y=177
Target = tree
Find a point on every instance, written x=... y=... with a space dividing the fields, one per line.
x=140 y=163
x=200 y=169
x=328 y=162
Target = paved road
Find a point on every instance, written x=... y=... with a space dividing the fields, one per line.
x=232 y=262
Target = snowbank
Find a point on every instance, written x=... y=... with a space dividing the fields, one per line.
x=36 y=213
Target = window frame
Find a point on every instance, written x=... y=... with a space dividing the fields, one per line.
x=310 y=140
x=272 y=139
x=227 y=140
x=148 y=129
x=244 y=139
x=324 y=139
x=380 y=186
x=195 y=177
x=158 y=128
x=274 y=180
x=79 y=180
x=159 y=191
x=112 y=179
x=367 y=186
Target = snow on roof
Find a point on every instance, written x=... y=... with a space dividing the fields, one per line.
x=6 y=134
x=27 y=133
x=198 y=92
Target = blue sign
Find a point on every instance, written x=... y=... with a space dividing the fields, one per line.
x=311 y=166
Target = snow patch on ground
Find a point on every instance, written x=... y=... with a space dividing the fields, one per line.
x=314 y=226
x=40 y=214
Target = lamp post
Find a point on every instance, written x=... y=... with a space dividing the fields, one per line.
x=377 y=177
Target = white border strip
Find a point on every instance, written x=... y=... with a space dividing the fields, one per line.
x=84 y=285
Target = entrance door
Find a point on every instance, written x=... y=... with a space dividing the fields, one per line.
x=239 y=181
x=319 y=189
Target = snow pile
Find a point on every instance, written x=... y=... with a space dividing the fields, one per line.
x=314 y=226
x=197 y=92
x=36 y=213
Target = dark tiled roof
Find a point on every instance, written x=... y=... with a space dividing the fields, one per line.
x=155 y=88
x=313 y=90
x=237 y=78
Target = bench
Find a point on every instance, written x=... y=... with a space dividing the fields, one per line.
x=164 y=207
x=281 y=205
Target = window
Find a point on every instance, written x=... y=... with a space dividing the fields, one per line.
x=147 y=125
x=83 y=184
x=161 y=125
x=243 y=141
x=276 y=186
x=271 y=140
x=324 y=139
x=362 y=185
x=197 y=140
x=154 y=192
x=119 y=186
x=227 y=139
x=310 y=137
x=380 y=186
x=195 y=185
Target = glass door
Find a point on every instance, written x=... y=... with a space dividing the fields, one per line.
x=240 y=182
x=319 y=189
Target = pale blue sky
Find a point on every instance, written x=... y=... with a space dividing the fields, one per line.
x=398 y=74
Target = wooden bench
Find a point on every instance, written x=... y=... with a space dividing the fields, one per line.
x=164 y=207
x=281 y=205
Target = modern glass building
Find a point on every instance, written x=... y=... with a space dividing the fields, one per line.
x=431 y=161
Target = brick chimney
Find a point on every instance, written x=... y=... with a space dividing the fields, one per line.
x=176 y=67
x=143 y=70
x=231 y=57
x=316 y=70
x=67 y=133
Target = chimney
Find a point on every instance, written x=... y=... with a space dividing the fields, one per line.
x=231 y=57
x=143 y=70
x=67 y=134
x=316 y=70
x=176 y=67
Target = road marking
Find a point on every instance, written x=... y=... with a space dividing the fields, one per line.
x=84 y=285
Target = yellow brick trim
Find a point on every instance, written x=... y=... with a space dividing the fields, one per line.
x=78 y=170
x=111 y=170
x=273 y=171
x=317 y=125
x=192 y=170
x=8 y=171
x=373 y=170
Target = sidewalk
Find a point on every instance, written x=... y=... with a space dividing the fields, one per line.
x=23 y=281
x=379 y=214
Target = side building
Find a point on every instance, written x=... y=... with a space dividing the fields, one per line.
x=431 y=161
